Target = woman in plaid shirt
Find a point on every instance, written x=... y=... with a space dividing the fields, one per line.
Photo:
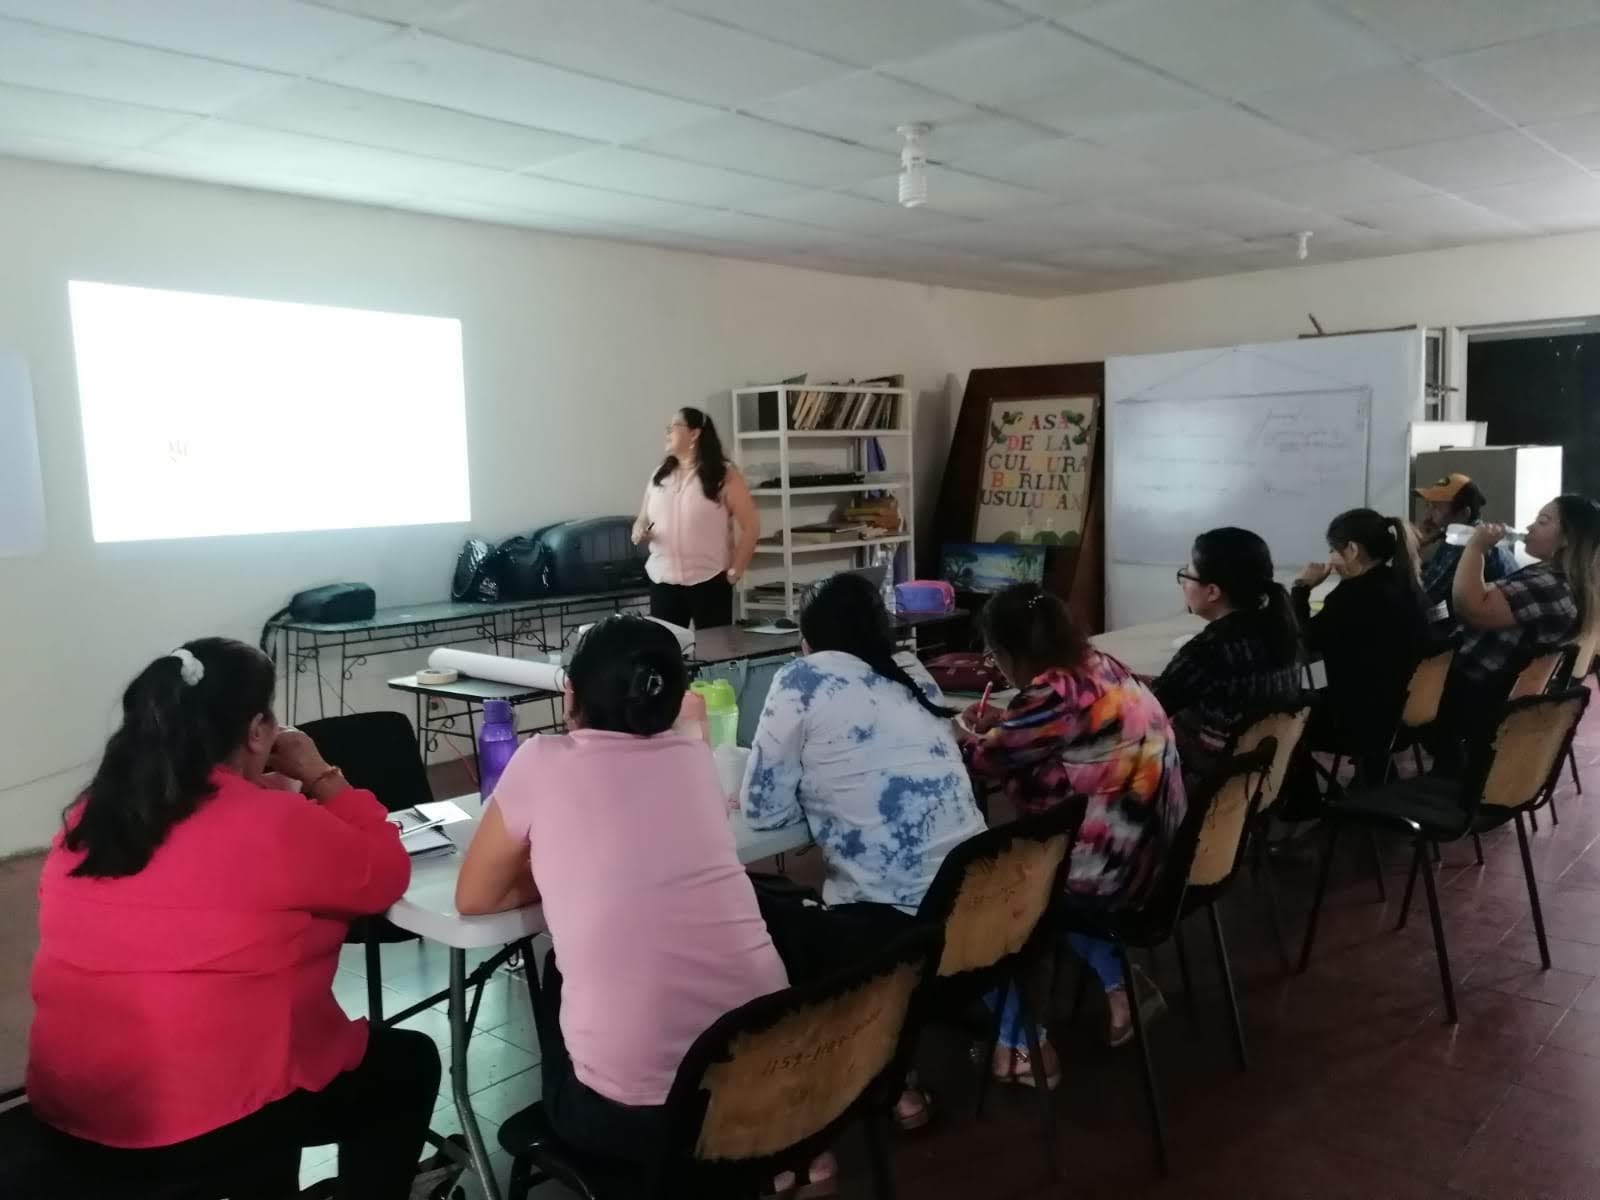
x=1247 y=658
x=1528 y=613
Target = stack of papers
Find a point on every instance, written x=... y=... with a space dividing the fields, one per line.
x=422 y=826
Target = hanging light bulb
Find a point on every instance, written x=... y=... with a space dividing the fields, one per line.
x=1303 y=247
x=913 y=166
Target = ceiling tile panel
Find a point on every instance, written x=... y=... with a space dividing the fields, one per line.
x=853 y=214
x=30 y=112
x=1348 y=180
x=739 y=143
x=1398 y=106
x=1555 y=206
x=1577 y=137
x=623 y=170
x=349 y=115
x=1540 y=79
x=644 y=45
x=1210 y=143
x=1067 y=168
x=1482 y=161
x=1237 y=47
x=278 y=35
x=431 y=70
x=1430 y=28
x=861 y=32
x=32 y=56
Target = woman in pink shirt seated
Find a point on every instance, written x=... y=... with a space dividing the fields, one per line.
x=190 y=918
x=620 y=827
x=691 y=505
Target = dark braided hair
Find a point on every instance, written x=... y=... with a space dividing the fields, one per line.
x=846 y=613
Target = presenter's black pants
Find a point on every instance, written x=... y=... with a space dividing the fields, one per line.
x=706 y=605
x=377 y=1113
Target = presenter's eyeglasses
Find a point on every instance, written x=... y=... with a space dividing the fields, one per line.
x=1187 y=576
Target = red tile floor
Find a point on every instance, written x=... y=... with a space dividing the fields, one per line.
x=1355 y=1089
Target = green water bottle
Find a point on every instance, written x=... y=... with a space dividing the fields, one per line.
x=722 y=710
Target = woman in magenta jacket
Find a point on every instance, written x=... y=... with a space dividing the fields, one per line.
x=190 y=918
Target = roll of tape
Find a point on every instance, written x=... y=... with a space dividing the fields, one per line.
x=433 y=677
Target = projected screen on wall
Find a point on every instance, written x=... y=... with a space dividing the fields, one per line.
x=214 y=415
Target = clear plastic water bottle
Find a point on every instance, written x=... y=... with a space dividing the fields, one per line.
x=885 y=559
x=497 y=742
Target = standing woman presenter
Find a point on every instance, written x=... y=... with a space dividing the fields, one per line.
x=691 y=507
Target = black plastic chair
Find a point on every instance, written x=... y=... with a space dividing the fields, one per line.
x=377 y=751
x=1200 y=864
x=39 y=1163
x=987 y=901
x=764 y=1090
x=1511 y=776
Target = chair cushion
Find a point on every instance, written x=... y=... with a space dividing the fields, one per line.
x=1433 y=803
x=527 y=1134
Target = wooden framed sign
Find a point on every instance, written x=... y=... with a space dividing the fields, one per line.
x=1038 y=460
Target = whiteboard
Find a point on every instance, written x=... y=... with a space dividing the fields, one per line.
x=1277 y=438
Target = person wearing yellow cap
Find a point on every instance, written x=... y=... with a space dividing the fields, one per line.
x=1454 y=500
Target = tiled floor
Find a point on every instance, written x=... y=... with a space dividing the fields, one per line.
x=1355 y=1089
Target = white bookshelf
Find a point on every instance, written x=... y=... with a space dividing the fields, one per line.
x=796 y=564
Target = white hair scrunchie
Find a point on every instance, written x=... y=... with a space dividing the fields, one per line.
x=190 y=668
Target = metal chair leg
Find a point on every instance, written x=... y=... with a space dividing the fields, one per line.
x=1435 y=852
x=1533 y=822
x=1416 y=757
x=1555 y=817
x=1533 y=895
x=1439 y=948
x=374 y=960
x=1377 y=866
x=1316 y=897
x=1477 y=848
x=882 y=1181
x=1183 y=969
x=1572 y=762
x=1227 y=987
x=1078 y=993
x=986 y=1063
x=1158 y=1125
x=1411 y=887
x=1047 y=1111
x=521 y=1181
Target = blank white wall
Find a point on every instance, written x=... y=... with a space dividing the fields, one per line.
x=575 y=353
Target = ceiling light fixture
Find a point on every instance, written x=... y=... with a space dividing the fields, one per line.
x=1303 y=245
x=913 y=166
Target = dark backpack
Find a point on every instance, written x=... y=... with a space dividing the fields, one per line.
x=473 y=580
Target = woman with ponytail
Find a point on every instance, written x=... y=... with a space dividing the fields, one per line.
x=620 y=827
x=1247 y=658
x=190 y=918
x=855 y=739
x=1080 y=725
x=1372 y=628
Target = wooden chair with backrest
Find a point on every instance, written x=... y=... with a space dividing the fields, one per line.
x=987 y=901
x=1285 y=726
x=765 y=1089
x=1583 y=653
x=1550 y=671
x=376 y=751
x=1199 y=866
x=1509 y=777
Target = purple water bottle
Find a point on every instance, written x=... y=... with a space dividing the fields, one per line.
x=497 y=742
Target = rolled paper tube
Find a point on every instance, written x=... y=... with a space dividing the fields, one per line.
x=522 y=672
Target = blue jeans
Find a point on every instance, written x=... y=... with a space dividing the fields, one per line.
x=1100 y=956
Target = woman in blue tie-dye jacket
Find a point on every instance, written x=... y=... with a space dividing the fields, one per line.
x=1081 y=725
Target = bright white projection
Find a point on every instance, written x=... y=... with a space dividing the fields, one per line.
x=210 y=415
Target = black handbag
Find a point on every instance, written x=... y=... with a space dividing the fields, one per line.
x=473 y=580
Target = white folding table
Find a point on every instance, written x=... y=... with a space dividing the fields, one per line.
x=1147 y=649
x=428 y=909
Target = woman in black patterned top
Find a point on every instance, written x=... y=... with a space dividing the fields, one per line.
x=1245 y=659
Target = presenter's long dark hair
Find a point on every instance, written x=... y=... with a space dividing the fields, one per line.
x=711 y=464
x=156 y=769
x=846 y=613
x=1238 y=563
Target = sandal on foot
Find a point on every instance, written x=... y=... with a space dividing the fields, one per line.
x=1022 y=1065
x=919 y=1118
x=976 y=1054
